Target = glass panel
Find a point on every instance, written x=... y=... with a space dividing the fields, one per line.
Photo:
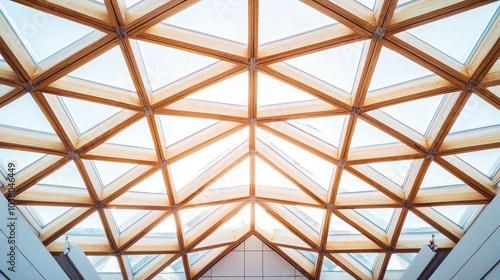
x=190 y=167
x=311 y=216
x=367 y=135
x=225 y=19
x=131 y=3
x=194 y=257
x=105 y=264
x=400 y=261
x=337 y=66
x=135 y=135
x=41 y=32
x=241 y=219
x=110 y=171
x=340 y=227
x=403 y=2
x=124 y=218
x=175 y=271
x=139 y=261
x=44 y=215
x=99 y=70
x=459 y=214
x=312 y=257
x=381 y=217
x=425 y=109
x=317 y=169
x=78 y=111
x=366 y=259
x=331 y=271
x=476 y=113
x=436 y=176
x=350 y=183
x=20 y=159
x=279 y=19
x=24 y=113
x=177 y=128
x=153 y=184
x=394 y=171
x=393 y=68
x=166 y=228
x=367 y=3
x=265 y=221
x=272 y=91
x=238 y=176
x=328 y=129
x=192 y=216
x=457 y=36
x=415 y=225
x=66 y=176
x=166 y=65
x=486 y=162
x=265 y=175
x=5 y=89
x=91 y=226
x=230 y=91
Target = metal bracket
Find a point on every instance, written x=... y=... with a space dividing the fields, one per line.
x=28 y=87
x=162 y=163
x=407 y=204
x=341 y=163
x=252 y=121
x=116 y=252
x=321 y=251
x=252 y=198
x=430 y=155
x=252 y=64
x=148 y=110
x=174 y=208
x=74 y=155
x=98 y=205
x=379 y=33
x=330 y=206
x=471 y=86
x=121 y=32
x=390 y=250
x=356 y=111
x=183 y=252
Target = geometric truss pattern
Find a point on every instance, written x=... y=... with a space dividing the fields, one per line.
x=341 y=133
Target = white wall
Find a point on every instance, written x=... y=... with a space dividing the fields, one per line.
x=32 y=260
x=252 y=260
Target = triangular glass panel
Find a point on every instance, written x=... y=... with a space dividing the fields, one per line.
x=131 y=3
x=106 y=266
x=311 y=216
x=368 y=260
x=330 y=271
x=124 y=218
x=458 y=36
x=394 y=171
x=381 y=217
x=393 y=68
x=5 y=89
x=225 y=19
x=486 y=162
x=265 y=175
x=238 y=176
x=367 y=3
x=192 y=216
x=24 y=113
x=415 y=225
x=40 y=32
x=311 y=256
x=403 y=2
x=1 y=58
x=366 y=134
x=137 y=262
x=78 y=111
x=136 y=135
x=90 y=226
x=272 y=91
x=152 y=184
x=110 y=171
x=65 y=176
x=194 y=257
x=284 y=18
x=341 y=227
x=176 y=128
x=425 y=109
x=165 y=229
x=166 y=65
x=44 y=215
x=476 y=113
x=458 y=214
x=400 y=261
x=314 y=167
x=99 y=70
x=20 y=159
x=233 y=90
x=190 y=167
x=328 y=129
x=437 y=176
x=350 y=183
x=337 y=66
x=174 y=271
